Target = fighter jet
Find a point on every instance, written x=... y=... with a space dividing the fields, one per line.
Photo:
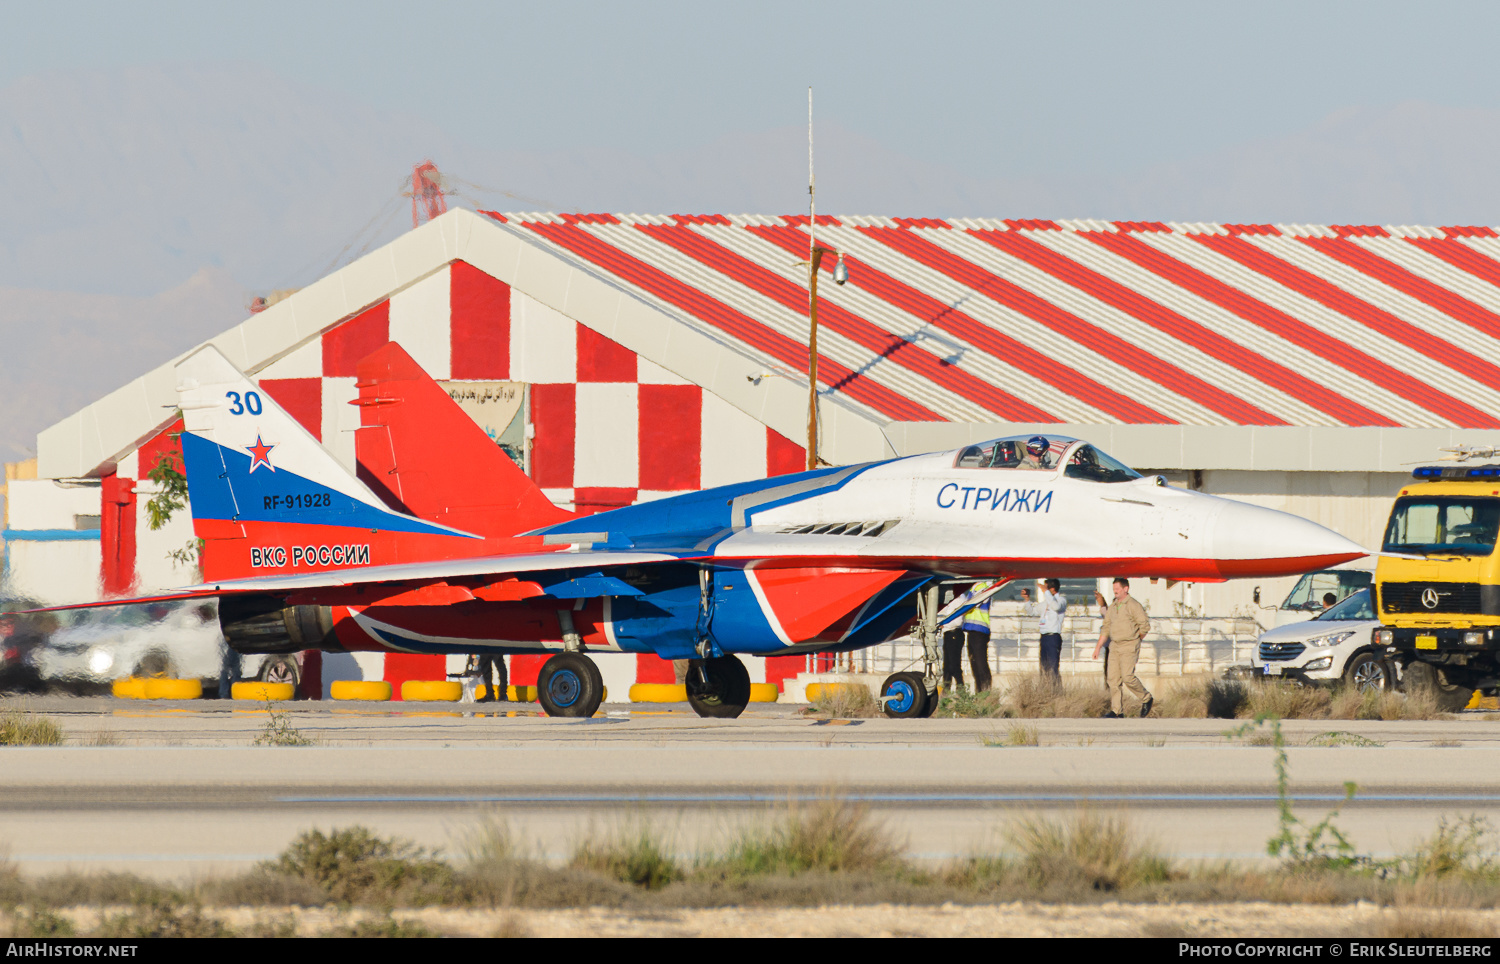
x=441 y=544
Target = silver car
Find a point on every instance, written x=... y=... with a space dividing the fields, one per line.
x=1332 y=646
x=174 y=639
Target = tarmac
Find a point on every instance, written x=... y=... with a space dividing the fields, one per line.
x=175 y=790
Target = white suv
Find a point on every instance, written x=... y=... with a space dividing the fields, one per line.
x=1334 y=645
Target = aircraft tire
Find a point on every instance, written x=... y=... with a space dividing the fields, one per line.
x=908 y=696
x=727 y=691
x=930 y=704
x=570 y=685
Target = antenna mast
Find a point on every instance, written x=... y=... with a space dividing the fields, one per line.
x=812 y=295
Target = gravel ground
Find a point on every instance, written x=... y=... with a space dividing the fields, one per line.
x=1243 y=920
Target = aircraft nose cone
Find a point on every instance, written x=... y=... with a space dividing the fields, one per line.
x=1250 y=540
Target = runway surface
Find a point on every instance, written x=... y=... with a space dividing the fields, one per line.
x=184 y=792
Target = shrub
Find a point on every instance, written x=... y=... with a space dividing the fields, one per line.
x=961 y=703
x=162 y=918
x=38 y=923
x=1089 y=850
x=830 y=834
x=386 y=926
x=846 y=701
x=634 y=857
x=355 y=866
x=1458 y=848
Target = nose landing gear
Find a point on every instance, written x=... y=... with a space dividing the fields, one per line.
x=904 y=697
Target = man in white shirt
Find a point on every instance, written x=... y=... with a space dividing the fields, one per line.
x=1053 y=604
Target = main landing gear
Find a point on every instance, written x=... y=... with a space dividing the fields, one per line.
x=570 y=685
x=718 y=687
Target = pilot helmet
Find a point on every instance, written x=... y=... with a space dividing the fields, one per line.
x=1036 y=446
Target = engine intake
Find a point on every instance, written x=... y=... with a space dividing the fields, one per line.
x=255 y=625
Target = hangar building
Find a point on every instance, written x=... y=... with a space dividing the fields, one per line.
x=627 y=357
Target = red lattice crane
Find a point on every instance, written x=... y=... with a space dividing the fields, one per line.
x=426 y=193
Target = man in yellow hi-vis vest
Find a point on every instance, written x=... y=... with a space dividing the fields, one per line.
x=973 y=627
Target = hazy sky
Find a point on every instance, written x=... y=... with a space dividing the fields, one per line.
x=988 y=89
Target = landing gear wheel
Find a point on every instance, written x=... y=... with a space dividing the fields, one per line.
x=1425 y=676
x=279 y=669
x=907 y=696
x=1366 y=672
x=718 y=687
x=570 y=685
x=930 y=701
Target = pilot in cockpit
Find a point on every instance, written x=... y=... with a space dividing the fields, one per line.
x=1038 y=454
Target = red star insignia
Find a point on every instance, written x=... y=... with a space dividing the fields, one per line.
x=260 y=454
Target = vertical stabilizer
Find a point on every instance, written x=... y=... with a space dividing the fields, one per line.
x=267 y=498
x=419 y=450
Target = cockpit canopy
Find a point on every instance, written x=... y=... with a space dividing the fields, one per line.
x=1044 y=453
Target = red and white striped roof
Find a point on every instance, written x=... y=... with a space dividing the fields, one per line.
x=1087 y=321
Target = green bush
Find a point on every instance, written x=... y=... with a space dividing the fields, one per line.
x=354 y=866
x=830 y=834
x=635 y=857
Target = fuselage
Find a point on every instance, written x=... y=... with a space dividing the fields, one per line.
x=833 y=558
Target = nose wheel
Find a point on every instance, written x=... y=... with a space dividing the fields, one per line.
x=718 y=687
x=904 y=696
x=570 y=685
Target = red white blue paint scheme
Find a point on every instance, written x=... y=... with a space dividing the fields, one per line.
x=440 y=544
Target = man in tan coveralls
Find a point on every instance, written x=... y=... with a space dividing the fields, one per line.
x=1125 y=623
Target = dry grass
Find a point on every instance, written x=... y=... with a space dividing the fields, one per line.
x=812 y=853
x=1086 y=851
x=846 y=701
x=1462 y=849
x=386 y=926
x=633 y=856
x=1020 y=735
x=829 y=834
x=1017 y=734
x=1350 y=704
x=1238 y=699
x=1041 y=697
x=1442 y=924
x=511 y=926
x=1286 y=701
x=280 y=731
x=27 y=729
x=1202 y=698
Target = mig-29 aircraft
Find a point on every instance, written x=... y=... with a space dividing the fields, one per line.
x=441 y=544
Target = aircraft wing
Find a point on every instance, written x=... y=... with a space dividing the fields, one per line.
x=411 y=572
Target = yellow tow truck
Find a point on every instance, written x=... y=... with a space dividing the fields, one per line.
x=1438 y=580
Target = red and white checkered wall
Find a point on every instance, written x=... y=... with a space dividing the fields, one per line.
x=611 y=428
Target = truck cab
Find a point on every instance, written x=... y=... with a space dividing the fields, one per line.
x=1438 y=582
